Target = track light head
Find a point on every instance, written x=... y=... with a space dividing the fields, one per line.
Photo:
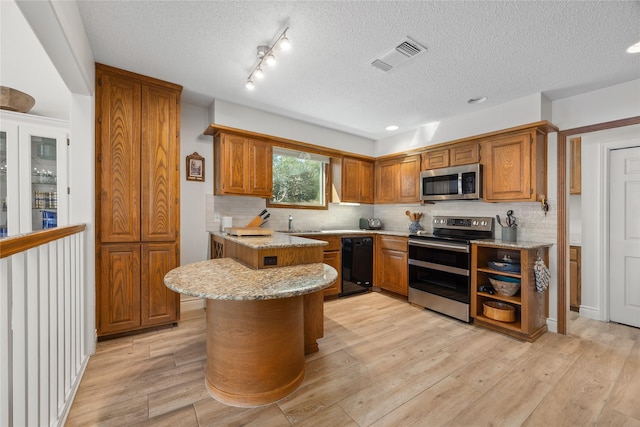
x=285 y=44
x=270 y=60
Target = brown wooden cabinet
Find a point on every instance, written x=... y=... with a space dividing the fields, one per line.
x=455 y=155
x=434 y=159
x=391 y=264
x=386 y=173
x=332 y=257
x=531 y=307
x=118 y=296
x=352 y=180
x=243 y=165
x=575 y=165
x=575 y=279
x=398 y=180
x=515 y=167
x=137 y=199
x=409 y=180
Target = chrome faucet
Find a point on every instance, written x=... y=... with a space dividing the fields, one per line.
x=290 y=223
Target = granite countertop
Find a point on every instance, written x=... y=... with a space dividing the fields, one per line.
x=315 y=233
x=350 y=232
x=277 y=240
x=512 y=245
x=228 y=279
x=293 y=239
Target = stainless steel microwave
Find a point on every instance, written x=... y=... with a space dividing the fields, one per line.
x=454 y=183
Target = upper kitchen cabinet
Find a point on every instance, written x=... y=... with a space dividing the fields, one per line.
x=137 y=200
x=515 y=166
x=455 y=155
x=243 y=165
x=575 y=165
x=138 y=157
x=398 y=180
x=352 y=180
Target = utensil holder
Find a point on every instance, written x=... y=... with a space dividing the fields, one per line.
x=509 y=234
x=415 y=226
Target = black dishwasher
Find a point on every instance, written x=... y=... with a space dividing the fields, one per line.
x=357 y=265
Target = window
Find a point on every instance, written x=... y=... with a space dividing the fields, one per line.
x=299 y=179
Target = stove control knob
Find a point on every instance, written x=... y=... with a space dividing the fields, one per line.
x=483 y=223
x=474 y=222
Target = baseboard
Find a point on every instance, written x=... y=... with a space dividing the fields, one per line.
x=590 y=312
x=552 y=325
x=192 y=304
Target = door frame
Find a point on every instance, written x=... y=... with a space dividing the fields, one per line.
x=563 y=195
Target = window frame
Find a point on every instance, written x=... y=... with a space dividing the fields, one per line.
x=327 y=184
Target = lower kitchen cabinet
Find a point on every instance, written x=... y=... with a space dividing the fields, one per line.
x=530 y=307
x=575 y=279
x=131 y=292
x=332 y=257
x=391 y=264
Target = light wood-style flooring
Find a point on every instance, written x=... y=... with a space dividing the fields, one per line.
x=382 y=362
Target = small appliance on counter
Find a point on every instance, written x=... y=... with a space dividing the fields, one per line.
x=370 y=224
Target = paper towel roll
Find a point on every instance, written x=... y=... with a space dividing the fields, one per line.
x=227 y=222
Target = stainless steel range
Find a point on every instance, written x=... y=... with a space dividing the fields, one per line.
x=440 y=264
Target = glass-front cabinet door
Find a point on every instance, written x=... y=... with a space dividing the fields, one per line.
x=33 y=173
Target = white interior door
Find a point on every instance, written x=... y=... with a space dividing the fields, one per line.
x=624 y=236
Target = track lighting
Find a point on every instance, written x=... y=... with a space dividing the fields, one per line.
x=265 y=55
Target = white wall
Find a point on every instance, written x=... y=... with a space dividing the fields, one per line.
x=599 y=106
x=194 y=238
x=81 y=206
x=529 y=109
x=25 y=65
x=237 y=116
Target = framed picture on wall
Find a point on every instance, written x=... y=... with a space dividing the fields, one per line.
x=195 y=167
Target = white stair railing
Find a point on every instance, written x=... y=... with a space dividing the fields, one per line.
x=42 y=345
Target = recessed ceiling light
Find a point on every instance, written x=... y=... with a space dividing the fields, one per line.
x=478 y=100
x=391 y=127
x=635 y=48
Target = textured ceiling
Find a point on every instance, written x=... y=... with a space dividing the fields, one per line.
x=502 y=50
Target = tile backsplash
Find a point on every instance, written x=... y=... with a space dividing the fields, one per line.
x=533 y=225
x=244 y=209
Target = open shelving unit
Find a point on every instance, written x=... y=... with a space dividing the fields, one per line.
x=531 y=307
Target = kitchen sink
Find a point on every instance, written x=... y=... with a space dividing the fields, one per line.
x=298 y=231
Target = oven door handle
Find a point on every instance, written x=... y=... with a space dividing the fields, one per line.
x=439 y=245
x=440 y=267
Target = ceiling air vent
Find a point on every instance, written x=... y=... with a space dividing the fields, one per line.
x=403 y=51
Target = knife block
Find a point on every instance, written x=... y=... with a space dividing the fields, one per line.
x=255 y=222
x=251 y=229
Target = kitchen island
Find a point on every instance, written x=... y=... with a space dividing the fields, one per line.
x=257 y=321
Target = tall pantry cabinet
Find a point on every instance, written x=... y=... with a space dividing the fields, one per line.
x=137 y=200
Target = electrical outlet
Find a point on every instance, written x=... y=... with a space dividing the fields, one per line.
x=216 y=217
